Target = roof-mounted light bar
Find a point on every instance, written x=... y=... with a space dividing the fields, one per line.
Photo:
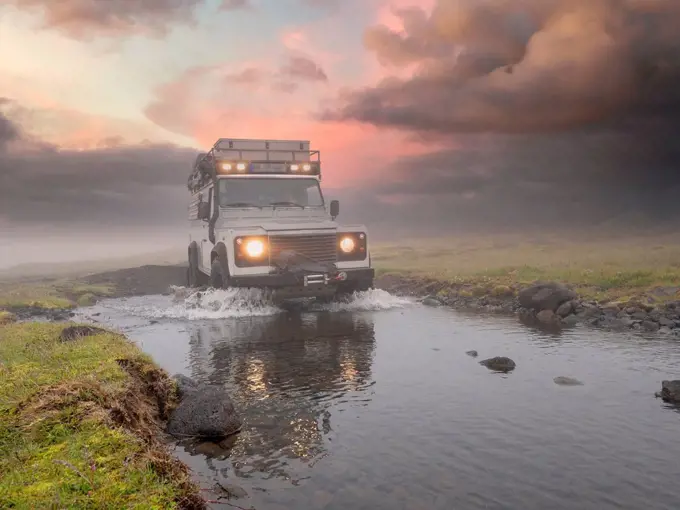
x=223 y=167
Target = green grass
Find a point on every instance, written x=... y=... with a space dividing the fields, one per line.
x=603 y=268
x=63 y=441
x=58 y=294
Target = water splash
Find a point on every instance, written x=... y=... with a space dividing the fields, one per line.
x=190 y=304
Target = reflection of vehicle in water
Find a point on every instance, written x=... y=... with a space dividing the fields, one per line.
x=284 y=372
x=258 y=219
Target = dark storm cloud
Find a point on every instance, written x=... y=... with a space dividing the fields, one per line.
x=561 y=111
x=108 y=187
x=523 y=66
x=303 y=68
x=85 y=18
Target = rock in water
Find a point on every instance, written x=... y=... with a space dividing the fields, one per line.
x=565 y=309
x=432 y=301
x=185 y=385
x=473 y=354
x=204 y=412
x=567 y=381
x=499 y=364
x=546 y=317
x=545 y=296
x=670 y=391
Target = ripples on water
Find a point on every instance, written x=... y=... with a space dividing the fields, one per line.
x=373 y=404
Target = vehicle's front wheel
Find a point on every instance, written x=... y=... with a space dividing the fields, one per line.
x=218 y=279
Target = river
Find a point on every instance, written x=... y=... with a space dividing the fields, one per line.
x=374 y=404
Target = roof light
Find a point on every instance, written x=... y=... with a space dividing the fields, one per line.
x=295 y=168
x=241 y=167
x=306 y=167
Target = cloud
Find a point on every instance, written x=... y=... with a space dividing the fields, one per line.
x=111 y=186
x=530 y=66
x=84 y=19
x=235 y=5
x=303 y=68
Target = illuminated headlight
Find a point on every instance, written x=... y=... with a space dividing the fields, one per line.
x=306 y=167
x=352 y=246
x=254 y=248
x=294 y=168
x=250 y=251
x=241 y=167
x=226 y=167
x=347 y=244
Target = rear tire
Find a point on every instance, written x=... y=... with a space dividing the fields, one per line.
x=193 y=274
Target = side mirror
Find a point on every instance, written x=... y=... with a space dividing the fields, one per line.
x=203 y=211
x=335 y=208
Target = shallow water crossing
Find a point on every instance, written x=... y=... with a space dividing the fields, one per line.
x=374 y=404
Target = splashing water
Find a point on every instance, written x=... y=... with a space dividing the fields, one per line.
x=190 y=304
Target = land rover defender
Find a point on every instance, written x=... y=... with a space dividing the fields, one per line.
x=259 y=219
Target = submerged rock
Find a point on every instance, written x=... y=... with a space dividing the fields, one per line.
x=545 y=296
x=670 y=391
x=204 y=411
x=567 y=381
x=499 y=364
x=432 y=301
x=473 y=354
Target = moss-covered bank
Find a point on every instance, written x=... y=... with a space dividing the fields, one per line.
x=81 y=421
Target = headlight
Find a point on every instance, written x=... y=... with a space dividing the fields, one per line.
x=254 y=248
x=250 y=251
x=347 y=244
x=352 y=246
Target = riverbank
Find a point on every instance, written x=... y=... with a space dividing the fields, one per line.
x=616 y=283
x=82 y=419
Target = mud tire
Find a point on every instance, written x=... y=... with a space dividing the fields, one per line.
x=194 y=276
x=218 y=278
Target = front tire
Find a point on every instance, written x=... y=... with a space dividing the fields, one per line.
x=218 y=278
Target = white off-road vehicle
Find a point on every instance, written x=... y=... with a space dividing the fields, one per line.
x=258 y=219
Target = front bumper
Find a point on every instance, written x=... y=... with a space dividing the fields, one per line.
x=308 y=284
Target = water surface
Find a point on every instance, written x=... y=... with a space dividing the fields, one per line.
x=374 y=404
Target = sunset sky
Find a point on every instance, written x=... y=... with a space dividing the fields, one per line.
x=428 y=114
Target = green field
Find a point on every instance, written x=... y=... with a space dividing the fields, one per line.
x=599 y=267
x=80 y=422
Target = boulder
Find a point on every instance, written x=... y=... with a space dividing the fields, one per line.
x=650 y=326
x=670 y=391
x=546 y=317
x=565 y=309
x=185 y=385
x=499 y=364
x=545 y=296
x=204 y=412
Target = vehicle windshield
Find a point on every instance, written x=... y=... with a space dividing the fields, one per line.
x=265 y=192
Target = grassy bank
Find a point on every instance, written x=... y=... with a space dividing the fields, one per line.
x=50 y=294
x=80 y=421
x=605 y=269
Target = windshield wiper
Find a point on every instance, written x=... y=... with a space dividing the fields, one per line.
x=242 y=204
x=287 y=204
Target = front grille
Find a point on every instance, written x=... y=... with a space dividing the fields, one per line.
x=318 y=247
